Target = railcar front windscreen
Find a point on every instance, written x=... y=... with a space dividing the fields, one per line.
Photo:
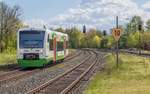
x=31 y=39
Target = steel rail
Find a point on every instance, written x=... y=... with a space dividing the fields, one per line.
x=66 y=90
x=37 y=89
x=18 y=73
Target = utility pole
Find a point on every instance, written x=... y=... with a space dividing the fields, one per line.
x=116 y=32
x=1 y=30
x=117 y=50
x=140 y=29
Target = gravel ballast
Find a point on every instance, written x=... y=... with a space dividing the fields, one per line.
x=23 y=85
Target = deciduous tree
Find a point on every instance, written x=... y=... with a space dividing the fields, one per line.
x=9 y=23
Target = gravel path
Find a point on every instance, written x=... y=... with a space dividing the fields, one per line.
x=23 y=85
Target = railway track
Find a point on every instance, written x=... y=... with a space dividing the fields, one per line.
x=62 y=84
x=8 y=67
x=21 y=73
x=72 y=56
x=15 y=75
x=126 y=51
x=16 y=68
x=136 y=53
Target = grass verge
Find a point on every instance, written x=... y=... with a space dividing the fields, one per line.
x=132 y=76
x=7 y=58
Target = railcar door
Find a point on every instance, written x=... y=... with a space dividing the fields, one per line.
x=64 y=47
x=54 y=47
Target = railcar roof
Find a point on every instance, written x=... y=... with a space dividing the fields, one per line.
x=40 y=29
x=27 y=29
x=59 y=33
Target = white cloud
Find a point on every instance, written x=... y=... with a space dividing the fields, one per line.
x=146 y=5
x=96 y=13
x=35 y=23
x=100 y=13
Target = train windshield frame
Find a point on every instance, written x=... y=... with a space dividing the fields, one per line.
x=31 y=39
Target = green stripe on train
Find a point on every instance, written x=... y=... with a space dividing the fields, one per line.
x=32 y=63
x=37 y=63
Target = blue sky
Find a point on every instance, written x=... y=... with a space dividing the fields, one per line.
x=140 y=1
x=42 y=9
x=93 y=13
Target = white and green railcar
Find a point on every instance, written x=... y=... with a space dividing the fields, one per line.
x=37 y=47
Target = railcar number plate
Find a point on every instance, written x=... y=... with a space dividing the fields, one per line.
x=31 y=56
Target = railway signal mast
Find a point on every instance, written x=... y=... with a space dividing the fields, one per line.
x=140 y=29
x=84 y=29
x=116 y=32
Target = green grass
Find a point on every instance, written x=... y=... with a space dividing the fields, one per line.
x=132 y=76
x=7 y=58
x=146 y=51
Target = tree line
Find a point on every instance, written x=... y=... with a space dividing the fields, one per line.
x=92 y=38
x=136 y=35
x=132 y=37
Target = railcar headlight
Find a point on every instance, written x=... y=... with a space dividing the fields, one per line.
x=20 y=53
x=41 y=53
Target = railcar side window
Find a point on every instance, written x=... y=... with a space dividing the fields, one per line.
x=48 y=38
x=60 y=46
x=51 y=44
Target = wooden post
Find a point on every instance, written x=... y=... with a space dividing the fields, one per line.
x=117 y=50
